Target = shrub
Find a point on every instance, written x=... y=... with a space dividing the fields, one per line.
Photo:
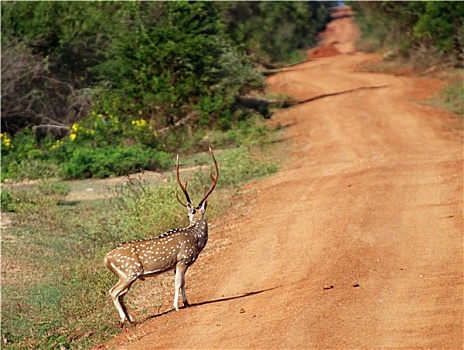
x=413 y=29
x=171 y=59
x=7 y=201
x=451 y=97
x=33 y=199
x=23 y=159
x=239 y=166
x=142 y=211
x=112 y=161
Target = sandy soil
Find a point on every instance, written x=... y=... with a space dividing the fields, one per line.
x=356 y=243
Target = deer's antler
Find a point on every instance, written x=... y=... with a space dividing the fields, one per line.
x=183 y=187
x=212 y=178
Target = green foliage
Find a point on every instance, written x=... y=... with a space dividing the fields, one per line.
x=274 y=31
x=144 y=211
x=32 y=200
x=172 y=59
x=28 y=169
x=109 y=161
x=7 y=201
x=410 y=27
x=239 y=166
x=117 y=85
x=441 y=25
x=99 y=146
x=146 y=65
x=74 y=34
x=24 y=159
x=451 y=97
x=102 y=146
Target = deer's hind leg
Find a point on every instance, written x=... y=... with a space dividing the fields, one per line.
x=117 y=294
x=179 y=285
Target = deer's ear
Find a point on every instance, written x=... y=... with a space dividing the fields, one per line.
x=190 y=208
x=203 y=205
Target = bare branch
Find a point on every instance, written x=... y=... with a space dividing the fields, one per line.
x=180 y=122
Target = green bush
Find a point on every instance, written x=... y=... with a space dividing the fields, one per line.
x=275 y=31
x=112 y=161
x=239 y=166
x=7 y=201
x=431 y=31
x=142 y=210
x=451 y=97
x=25 y=199
x=171 y=64
x=24 y=159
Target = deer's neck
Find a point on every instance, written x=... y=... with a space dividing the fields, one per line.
x=200 y=231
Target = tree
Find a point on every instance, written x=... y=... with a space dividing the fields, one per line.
x=170 y=59
x=273 y=31
x=442 y=25
x=32 y=97
x=436 y=26
x=47 y=48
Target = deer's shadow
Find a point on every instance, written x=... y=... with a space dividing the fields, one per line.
x=206 y=302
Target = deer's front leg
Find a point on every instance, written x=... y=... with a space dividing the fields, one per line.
x=179 y=286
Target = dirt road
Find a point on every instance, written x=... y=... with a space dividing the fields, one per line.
x=356 y=243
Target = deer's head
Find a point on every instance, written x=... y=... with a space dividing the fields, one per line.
x=196 y=213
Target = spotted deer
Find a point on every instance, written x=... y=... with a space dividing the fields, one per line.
x=176 y=249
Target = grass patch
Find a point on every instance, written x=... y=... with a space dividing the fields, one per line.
x=452 y=96
x=396 y=66
x=55 y=288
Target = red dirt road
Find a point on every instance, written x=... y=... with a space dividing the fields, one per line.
x=356 y=243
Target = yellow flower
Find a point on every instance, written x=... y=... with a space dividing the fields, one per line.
x=56 y=145
x=75 y=127
x=72 y=137
x=6 y=140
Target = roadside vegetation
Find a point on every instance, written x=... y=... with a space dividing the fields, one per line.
x=91 y=90
x=452 y=96
x=425 y=38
